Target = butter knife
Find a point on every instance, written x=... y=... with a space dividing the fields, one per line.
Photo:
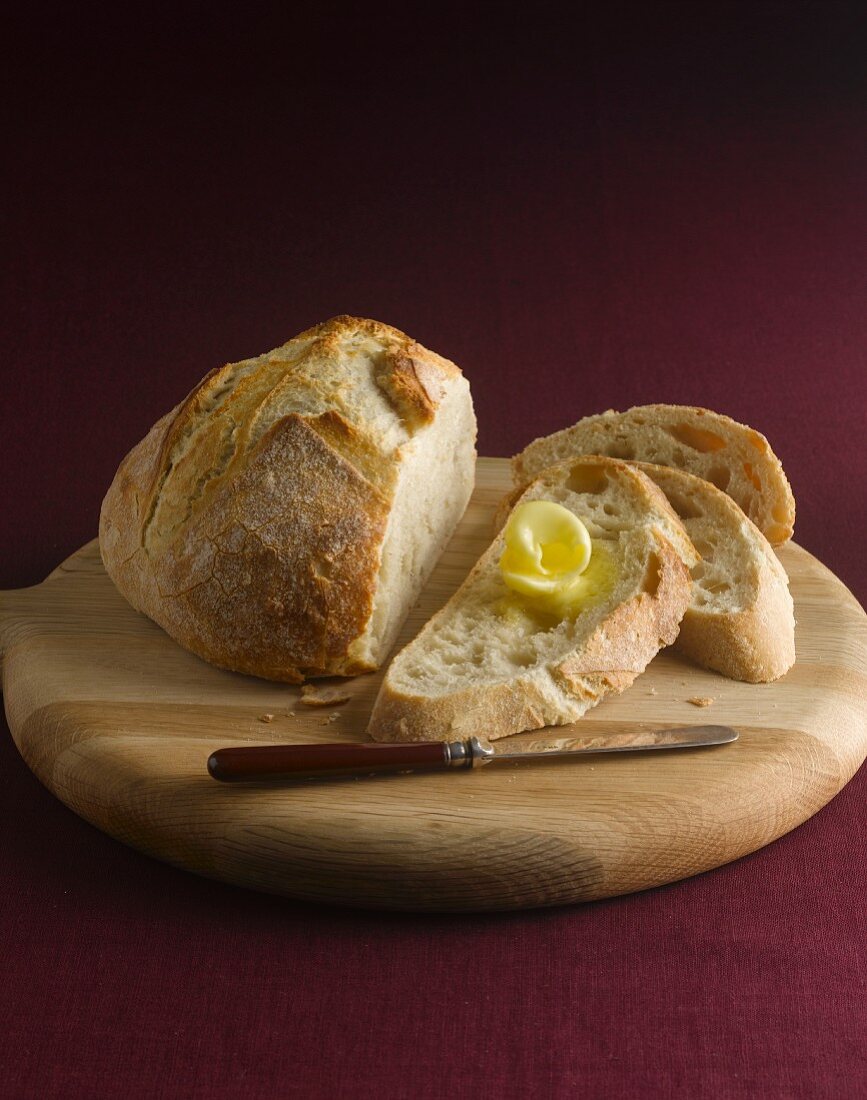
x=257 y=762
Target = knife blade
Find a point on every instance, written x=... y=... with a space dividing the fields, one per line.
x=258 y=762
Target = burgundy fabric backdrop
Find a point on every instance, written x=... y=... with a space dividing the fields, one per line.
x=657 y=203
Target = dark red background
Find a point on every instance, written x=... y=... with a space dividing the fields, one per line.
x=664 y=202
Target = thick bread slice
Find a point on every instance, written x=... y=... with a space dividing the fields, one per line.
x=740 y=620
x=284 y=517
x=732 y=456
x=489 y=664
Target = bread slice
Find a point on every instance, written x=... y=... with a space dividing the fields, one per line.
x=732 y=456
x=740 y=620
x=490 y=664
x=283 y=518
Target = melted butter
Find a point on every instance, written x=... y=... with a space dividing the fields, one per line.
x=551 y=565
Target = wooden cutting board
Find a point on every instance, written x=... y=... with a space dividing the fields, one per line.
x=118 y=722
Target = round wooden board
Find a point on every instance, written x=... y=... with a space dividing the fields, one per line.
x=118 y=722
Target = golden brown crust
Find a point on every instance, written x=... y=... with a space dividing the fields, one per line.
x=222 y=419
x=356 y=448
x=495 y=711
x=756 y=645
x=249 y=523
x=279 y=564
x=400 y=379
x=635 y=632
x=732 y=455
x=504 y=508
x=129 y=500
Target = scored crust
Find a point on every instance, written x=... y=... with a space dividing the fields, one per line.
x=249 y=523
x=210 y=433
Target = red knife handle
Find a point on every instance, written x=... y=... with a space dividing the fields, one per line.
x=294 y=761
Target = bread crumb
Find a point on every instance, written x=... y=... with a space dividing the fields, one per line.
x=290 y=713
x=652 y=691
x=266 y=717
x=700 y=700
x=331 y=718
x=316 y=695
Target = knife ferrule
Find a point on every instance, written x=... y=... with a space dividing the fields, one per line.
x=471 y=753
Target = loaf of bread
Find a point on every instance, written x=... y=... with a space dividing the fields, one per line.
x=732 y=456
x=283 y=518
x=489 y=663
x=740 y=620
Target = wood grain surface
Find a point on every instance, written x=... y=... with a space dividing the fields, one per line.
x=118 y=722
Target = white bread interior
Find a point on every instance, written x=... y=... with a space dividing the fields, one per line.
x=490 y=664
x=740 y=620
x=435 y=481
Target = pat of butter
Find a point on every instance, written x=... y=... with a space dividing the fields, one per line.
x=548 y=550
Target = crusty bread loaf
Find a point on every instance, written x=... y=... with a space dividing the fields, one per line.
x=740 y=620
x=491 y=664
x=283 y=518
x=732 y=456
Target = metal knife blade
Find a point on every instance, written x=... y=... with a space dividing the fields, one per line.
x=684 y=737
